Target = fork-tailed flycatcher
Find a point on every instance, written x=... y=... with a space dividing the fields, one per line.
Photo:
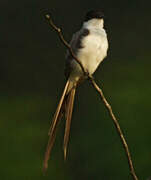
x=90 y=46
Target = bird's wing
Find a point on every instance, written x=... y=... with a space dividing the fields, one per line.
x=75 y=44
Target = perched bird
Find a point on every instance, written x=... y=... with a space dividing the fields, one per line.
x=90 y=46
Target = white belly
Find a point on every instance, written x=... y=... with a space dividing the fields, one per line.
x=94 y=50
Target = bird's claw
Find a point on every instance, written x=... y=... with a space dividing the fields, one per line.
x=88 y=75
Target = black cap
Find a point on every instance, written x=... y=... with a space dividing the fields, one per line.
x=94 y=14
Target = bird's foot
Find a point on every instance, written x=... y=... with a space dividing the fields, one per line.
x=88 y=75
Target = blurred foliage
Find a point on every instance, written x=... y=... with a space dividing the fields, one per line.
x=31 y=77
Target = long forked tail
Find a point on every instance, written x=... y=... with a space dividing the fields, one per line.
x=65 y=102
x=68 y=116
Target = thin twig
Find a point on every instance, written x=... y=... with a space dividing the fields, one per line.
x=107 y=105
x=58 y=30
x=124 y=143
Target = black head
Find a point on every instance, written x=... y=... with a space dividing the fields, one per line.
x=93 y=14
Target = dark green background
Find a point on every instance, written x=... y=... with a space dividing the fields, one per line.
x=31 y=82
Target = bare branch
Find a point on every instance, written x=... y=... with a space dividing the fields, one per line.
x=58 y=30
x=107 y=105
x=123 y=140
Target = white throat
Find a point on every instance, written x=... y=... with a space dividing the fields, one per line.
x=94 y=23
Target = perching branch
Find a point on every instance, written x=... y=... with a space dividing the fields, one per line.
x=107 y=105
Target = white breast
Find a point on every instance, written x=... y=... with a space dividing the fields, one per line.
x=94 y=49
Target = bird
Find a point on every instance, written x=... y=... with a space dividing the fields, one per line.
x=90 y=46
